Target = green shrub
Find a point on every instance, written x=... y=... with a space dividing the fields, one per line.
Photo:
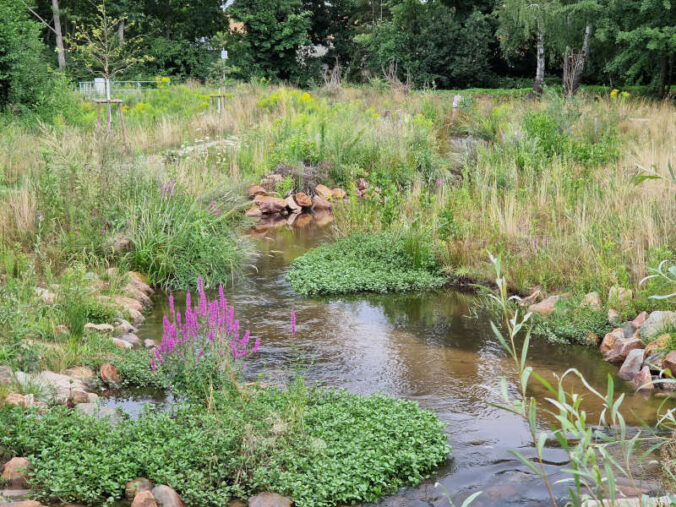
x=383 y=262
x=343 y=448
x=570 y=323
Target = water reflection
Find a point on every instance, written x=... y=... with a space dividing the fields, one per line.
x=421 y=347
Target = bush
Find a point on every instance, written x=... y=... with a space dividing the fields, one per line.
x=383 y=262
x=346 y=449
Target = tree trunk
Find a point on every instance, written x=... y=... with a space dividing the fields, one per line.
x=120 y=31
x=578 y=65
x=60 y=53
x=661 y=91
x=538 y=86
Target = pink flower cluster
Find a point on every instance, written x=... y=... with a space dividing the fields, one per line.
x=167 y=190
x=208 y=328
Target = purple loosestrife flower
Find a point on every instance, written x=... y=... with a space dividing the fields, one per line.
x=153 y=366
x=188 y=302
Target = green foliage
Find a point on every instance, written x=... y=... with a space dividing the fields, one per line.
x=383 y=262
x=178 y=238
x=341 y=448
x=571 y=324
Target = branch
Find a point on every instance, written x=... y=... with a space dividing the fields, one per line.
x=38 y=16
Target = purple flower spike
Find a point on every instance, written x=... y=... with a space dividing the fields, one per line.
x=153 y=366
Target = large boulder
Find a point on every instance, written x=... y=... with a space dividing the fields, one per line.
x=338 y=194
x=166 y=496
x=132 y=339
x=320 y=203
x=632 y=364
x=54 y=385
x=270 y=205
x=656 y=323
x=255 y=190
x=610 y=341
x=619 y=297
x=613 y=316
x=15 y=473
x=622 y=349
x=99 y=328
x=545 y=307
x=144 y=499
x=303 y=200
x=16 y=399
x=324 y=192
x=269 y=500
x=642 y=379
x=293 y=205
x=253 y=212
x=123 y=326
x=640 y=320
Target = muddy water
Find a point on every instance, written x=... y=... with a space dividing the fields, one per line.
x=419 y=347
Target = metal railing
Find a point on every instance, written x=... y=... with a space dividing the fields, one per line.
x=97 y=88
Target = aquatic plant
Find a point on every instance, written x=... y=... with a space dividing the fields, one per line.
x=200 y=348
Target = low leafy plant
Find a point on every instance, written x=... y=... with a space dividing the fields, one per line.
x=382 y=262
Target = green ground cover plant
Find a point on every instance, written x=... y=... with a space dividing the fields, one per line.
x=383 y=262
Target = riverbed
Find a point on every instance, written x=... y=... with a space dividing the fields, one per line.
x=429 y=348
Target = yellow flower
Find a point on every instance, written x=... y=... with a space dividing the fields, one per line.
x=626 y=95
x=614 y=92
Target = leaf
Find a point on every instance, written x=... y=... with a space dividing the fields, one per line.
x=526 y=462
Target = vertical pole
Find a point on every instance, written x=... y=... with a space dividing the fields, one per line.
x=124 y=130
x=98 y=115
x=108 y=107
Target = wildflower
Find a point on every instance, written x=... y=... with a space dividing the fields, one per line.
x=153 y=366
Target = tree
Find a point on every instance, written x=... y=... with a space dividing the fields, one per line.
x=102 y=52
x=519 y=22
x=23 y=72
x=575 y=18
x=273 y=32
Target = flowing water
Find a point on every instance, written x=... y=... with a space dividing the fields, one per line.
x=422 y=347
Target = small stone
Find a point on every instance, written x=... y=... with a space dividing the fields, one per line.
x=630 y=331
x=338 y=193
x=144 y=499
x=269 y=500
x=613 y=317
x=253 y=212
x=122 y=344
x=123 y=326
x=620 y=297
x=640 y=319
x=130 y=338
x=292 y=205
x=15 y=473
x=166 y=497
x=99 y=328
x=656 y=323
x=303 y=200
x=255 y=190
x=149 y=344
x=109 y=374
x=133 y=488
x=320 y=203
x=642 y=379
x=6 y=375
x=632 y=364
x=592 y=300
x=545 y=307
x=324 y=192
x=16 y=399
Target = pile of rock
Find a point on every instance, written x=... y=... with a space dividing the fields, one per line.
x=14 y=478
x=266 y=204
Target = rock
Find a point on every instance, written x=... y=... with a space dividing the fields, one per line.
x=320 y=203
x=82 y=373
x=545 y=307
x=270 y=205
x=632 y=364
x=622 y=349
x=338 y=194
x=132 y=488
x=100 y=412
x=134 y=292
x=362 y=185
x=57 y=385
x=303 y=220
x=324 y=192
x=136 y=317
x=130 y=338
x=92 y=397
x=23 y=503
x=270 y=181
x=144 y=499
x=640 y=319
x=16 y=400
x=619 y=297
x=592 y=300
x=15 y=473
x=656 y=323
x=613 y=317
x=149 y=344
x=140 y=282
x=99 y=328
x=14 y=494
x=6 y=375
x=630 y=331
x=236 y=503
x=303 y=200
x=642 y=378
x=255 y=190
x=123 y=326
x=122 y=344
x=658 y=344
x=269 y=500
x=119 y=243
x=45 y=296
x=669 y=362
x=109 y=374
x=253 y=212
x=535 y=297
x=77 y=397
x=592 y=340
x=166 y=497
x=292 y=205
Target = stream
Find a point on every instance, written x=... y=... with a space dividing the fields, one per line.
x=421 y=347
